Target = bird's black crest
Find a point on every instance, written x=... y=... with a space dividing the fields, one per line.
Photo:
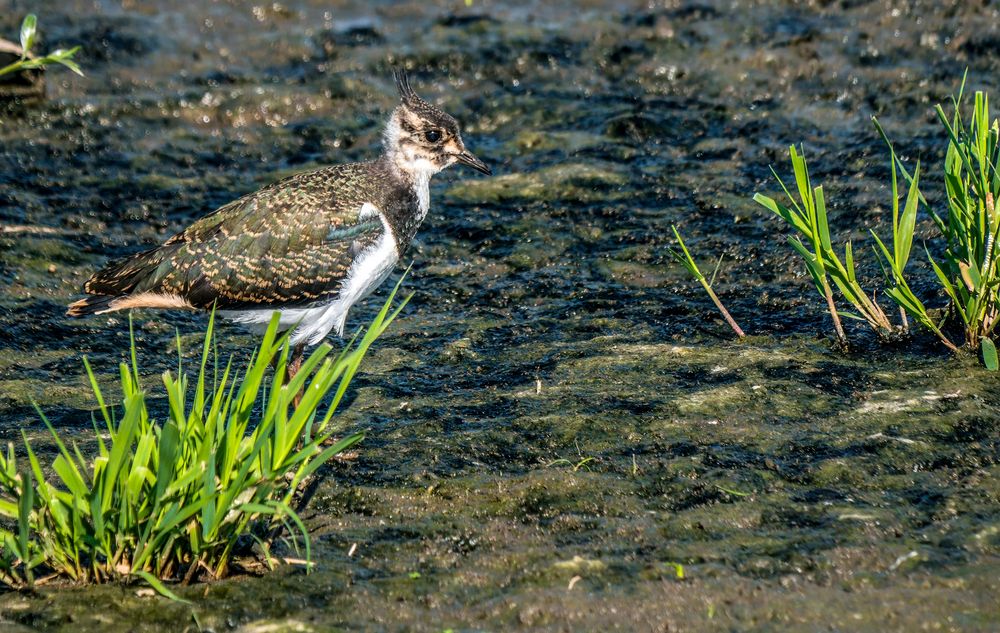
x=403 y=85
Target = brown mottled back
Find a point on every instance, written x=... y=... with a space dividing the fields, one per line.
x=287 y=244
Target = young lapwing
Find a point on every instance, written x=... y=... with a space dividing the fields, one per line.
x=309 y=246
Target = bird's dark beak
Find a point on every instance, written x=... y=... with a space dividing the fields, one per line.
x=467 y=158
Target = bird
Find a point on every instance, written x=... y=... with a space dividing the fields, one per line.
x=310 y=246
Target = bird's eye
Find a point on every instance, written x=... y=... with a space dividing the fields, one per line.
x=432 y=136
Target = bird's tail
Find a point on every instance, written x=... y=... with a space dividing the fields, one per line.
x=94 y=304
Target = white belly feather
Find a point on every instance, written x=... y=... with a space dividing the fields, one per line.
x=312 y=323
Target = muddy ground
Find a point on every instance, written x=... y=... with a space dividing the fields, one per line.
x=559 y=418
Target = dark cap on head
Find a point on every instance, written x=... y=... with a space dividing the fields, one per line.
x=403 y=85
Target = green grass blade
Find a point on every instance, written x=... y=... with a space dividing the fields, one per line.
x=29 y=30
x=98 y=395
x=685 y=256
x=989 y=351
x=330 y=451
x=160 y=588
x=897 y=162
x=849 y=262
x=26 y=504
x=822 y=224
x=119 y=449
x=64 y=465
x=903 y=234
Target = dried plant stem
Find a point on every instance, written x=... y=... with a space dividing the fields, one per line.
x=949 y=344
x=725 y=313
x=684 y=257
x=833 y=314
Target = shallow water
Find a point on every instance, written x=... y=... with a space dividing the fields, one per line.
x=800 y=487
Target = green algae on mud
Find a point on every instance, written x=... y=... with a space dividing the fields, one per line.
x=797 y=485
x=574 y=182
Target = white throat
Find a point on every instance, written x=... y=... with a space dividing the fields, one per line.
x=422 y=189
x=415 y=168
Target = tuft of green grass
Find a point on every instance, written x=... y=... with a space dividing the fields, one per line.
x=808 y=217
x=970 y=275
x=562 y=461
x=969 y=272
x=168 y=501
x=677 y=568
x=29 y=34
x=903 y=227
x=684 y=257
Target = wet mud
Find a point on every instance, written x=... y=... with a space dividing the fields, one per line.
x=559 y=418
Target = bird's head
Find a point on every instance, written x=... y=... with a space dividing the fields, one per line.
x=423 y=140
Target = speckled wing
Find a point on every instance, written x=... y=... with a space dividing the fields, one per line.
x=289 y=244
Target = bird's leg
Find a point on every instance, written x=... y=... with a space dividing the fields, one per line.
x=294 y=364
